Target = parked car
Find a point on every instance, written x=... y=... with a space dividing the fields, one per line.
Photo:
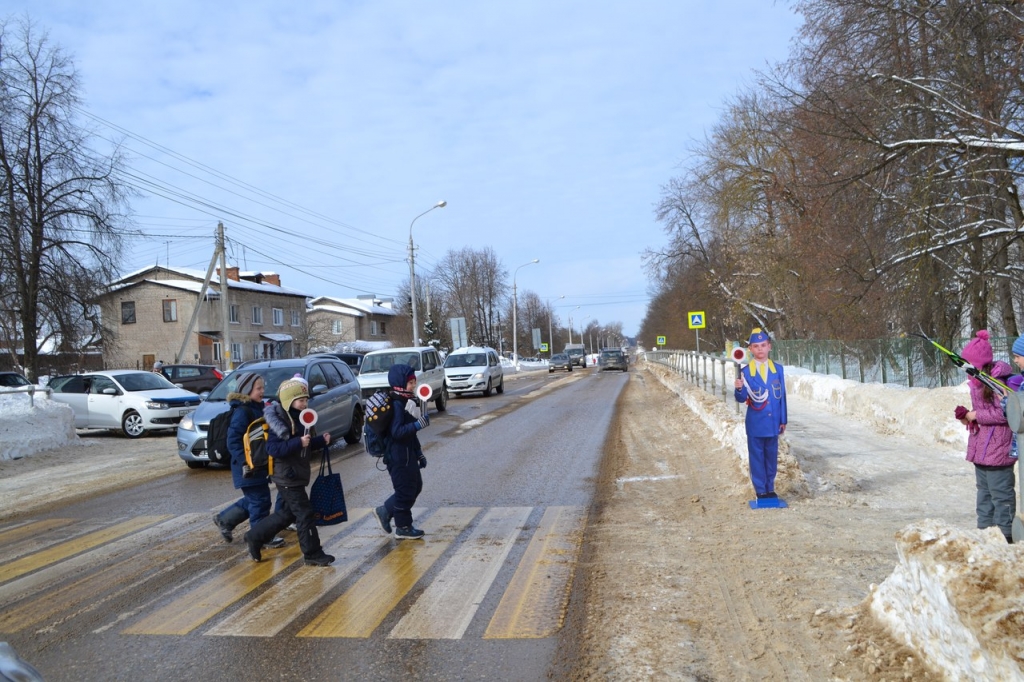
x=195 y=378
x=560 y=361
x=128 y=400
x=13 y=380
x=333 y=391
x=353 y=360
x=474 y=368
x=373 y=374
x=612 y=358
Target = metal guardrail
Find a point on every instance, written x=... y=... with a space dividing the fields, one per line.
x=31 y=390
x=694 y=367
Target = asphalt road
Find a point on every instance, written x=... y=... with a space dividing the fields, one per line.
x=138 y=585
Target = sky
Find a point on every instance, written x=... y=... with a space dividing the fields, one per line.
x=319 y=132
x=924 y=597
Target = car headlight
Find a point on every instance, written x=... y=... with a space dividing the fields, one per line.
x=186 y=423
x=478 y=375
x=153 y=405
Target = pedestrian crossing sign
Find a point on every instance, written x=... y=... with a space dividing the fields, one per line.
x=696 y=320
x=543 y=348
x=661 y=340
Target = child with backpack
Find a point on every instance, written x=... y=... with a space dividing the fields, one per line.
x=404 y=456
x=289 y=445
x=246 y=407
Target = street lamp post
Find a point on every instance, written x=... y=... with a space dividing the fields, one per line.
x=412 y=272
x=551 y=338
x=581 y=337
x=570 y=324
x=515 y=306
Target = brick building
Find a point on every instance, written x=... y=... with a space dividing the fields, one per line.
x=334 y=321
x=146 y=315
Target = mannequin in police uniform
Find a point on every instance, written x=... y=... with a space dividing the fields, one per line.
x=762 y=386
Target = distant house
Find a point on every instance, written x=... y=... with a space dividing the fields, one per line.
x=334 y=321
x=146 y=316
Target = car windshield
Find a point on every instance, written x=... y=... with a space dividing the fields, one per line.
x=466 y=360
x=143 y=381
x=382 y=362
x=14 y=380
x=272 y=378
x=612 y=354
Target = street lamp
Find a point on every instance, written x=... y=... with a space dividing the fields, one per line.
x=551 y=338
x=412 y=272
x=581 y=334
x=515 y=305
x=570 y=324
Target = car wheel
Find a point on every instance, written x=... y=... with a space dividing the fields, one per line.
x=442 y=400
x=355 y=431
x=501 y=387
x=487 y=391
x=570 y=368
x=196 y=465
x=131 y=424
x=551 y=370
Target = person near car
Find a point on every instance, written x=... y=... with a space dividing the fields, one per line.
x=247 y=406
x=404 y=456
x=289 y=443
x=761 y=385
x=158 y=366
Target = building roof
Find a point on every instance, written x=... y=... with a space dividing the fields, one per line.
x=196 y=277
x=360 y=305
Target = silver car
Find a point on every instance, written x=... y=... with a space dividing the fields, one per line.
x=126 y=400
x=333 y=390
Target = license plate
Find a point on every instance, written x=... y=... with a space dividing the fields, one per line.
x=183 y=412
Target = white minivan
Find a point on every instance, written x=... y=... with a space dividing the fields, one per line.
x=373 y=372
x=474 y=369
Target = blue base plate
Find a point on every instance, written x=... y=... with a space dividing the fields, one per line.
x=768 y=503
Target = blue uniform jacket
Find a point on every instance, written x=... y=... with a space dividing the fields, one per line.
x=766 y=418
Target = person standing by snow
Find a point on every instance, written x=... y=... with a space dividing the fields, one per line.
x=761 y=384
x=989 y=440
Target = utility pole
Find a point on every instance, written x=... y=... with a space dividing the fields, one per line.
x=225 y=307
x=218 y=250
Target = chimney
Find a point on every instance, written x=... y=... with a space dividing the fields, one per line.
x=232 y=272
x=272 y=278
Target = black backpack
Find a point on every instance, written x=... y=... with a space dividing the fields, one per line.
x=217 y=438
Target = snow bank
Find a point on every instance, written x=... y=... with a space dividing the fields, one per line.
x=957 y=597
x=27 y=428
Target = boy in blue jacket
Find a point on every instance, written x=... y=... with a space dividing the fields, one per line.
x=762 y=386
x=289 y=445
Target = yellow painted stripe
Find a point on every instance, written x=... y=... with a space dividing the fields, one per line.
x=23 y=531
x=447 y=606
x=68 y=599
x=189 y=611
x=363 y=607
x=534 y=604
x=274 y=609
x=76 y=545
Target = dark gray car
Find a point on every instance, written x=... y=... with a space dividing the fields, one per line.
x=612 y=358
x=333 y=390
x=560 y=361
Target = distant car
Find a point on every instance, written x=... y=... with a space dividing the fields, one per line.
x=333 y=391
x=560 y=361
x=127 y=400
x=353 y=360
x=473 y=368
x=13 y=380
x=195 y=378
x=612 y=358
x=373 y=374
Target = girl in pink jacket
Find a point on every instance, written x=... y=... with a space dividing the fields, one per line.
x=988 y=445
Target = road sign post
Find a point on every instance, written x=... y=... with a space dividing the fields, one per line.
x=697 y=322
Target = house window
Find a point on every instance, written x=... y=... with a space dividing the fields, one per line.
x=216 y=351
x=373 y=327
x=170 y=310
x=295 y=318
x=256 y=351
x=383 y=329
x=337 y=327
x=233 y=314
x=278 y=317
x=257 y=315
x=127 y=312
x=236 y=352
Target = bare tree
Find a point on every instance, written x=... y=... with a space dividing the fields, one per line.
x=60 y=201
x=471 y=284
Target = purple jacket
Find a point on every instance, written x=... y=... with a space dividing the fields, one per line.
x=990 y=446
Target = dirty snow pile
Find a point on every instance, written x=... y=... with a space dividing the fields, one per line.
x=31 y=425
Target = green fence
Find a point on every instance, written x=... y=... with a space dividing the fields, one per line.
x=908 y=361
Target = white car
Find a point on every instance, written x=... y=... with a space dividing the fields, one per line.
x=373 y=373
x=126 y=400
x=473 y=369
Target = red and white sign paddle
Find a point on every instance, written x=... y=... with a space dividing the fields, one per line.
x=424 y=392
x=308 y=418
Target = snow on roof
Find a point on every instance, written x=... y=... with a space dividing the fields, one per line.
x=338 y=309
x=362 y=305
x=199 y=275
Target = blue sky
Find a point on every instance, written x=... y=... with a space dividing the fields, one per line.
x=317 y=131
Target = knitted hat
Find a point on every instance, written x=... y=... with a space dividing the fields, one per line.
x=291 y=390
x=758 y=335
x=978 y=350
x=1018 y=346
x=246 y=381
x=1015 y=381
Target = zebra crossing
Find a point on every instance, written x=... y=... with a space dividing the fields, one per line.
x=170 y=575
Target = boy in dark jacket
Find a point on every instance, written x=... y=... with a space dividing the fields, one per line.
x=405 y=456
x=289 y=446
x=247 y=402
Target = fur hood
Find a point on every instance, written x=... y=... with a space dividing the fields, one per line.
x=240 y=397
x=279 y=421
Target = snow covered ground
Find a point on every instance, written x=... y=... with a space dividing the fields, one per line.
x=956 y=596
